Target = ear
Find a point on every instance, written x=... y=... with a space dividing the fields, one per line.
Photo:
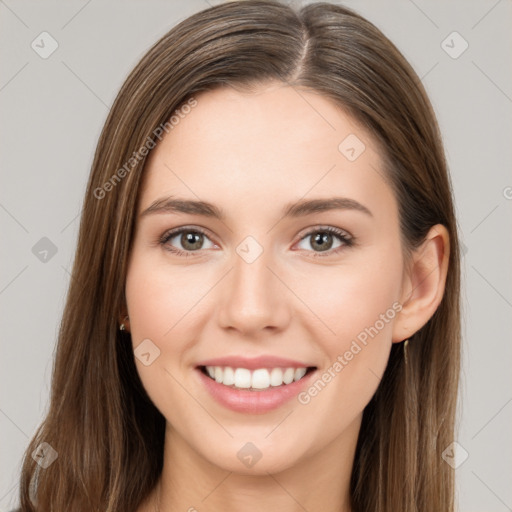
x=423 y=284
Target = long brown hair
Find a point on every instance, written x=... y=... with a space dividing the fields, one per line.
x=106 y=431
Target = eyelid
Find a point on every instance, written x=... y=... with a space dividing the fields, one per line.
x=325 y=227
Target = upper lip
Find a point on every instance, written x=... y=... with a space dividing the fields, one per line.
x=264 y=361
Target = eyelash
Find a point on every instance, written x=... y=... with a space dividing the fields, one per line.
x=347 y=240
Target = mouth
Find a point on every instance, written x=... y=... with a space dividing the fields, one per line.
x=257 y=380
x=254 y=385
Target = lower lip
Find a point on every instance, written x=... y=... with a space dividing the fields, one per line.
x=254 y=402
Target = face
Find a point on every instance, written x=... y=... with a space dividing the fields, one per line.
x=284 y=288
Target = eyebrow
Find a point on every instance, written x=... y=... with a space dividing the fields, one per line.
x=300 y=208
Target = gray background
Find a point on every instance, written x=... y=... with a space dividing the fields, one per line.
x=52 y=112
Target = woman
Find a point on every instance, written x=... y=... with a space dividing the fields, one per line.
x=264 y=310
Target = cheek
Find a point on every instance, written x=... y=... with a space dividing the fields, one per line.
x=360 y=306
x=159 y=297
x=165 y=306
x=352 y=298
x=158 y=301
x=357 y=304
x=156 y=308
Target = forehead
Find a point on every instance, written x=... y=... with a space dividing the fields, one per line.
x=274 y=144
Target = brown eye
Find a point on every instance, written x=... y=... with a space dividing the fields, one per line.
x=185 y=240
x=328 y=240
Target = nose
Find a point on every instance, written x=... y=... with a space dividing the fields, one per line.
x=253 y=298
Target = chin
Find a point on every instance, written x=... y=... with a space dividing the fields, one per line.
x=256 y=457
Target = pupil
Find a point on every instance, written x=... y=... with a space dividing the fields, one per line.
x=323 y=239
x=189 y=239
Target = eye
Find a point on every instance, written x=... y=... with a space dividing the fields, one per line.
x=189 y=240
x=323 y=240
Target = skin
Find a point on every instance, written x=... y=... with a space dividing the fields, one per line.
x=251 y=154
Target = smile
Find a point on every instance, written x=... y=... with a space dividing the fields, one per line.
x=258 y=379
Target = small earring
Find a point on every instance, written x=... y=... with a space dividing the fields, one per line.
x=122 y=327
x=406 y=343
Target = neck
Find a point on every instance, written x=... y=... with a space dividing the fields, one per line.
x=319 y=482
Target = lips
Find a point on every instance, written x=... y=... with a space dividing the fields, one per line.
x=254 y=363
x=254 y=385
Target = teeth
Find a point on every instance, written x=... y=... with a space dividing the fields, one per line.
x=228 y=377
x=299 y=373
x=242 y=378
x=261 y=378
x=276 y=377
x=288 y=375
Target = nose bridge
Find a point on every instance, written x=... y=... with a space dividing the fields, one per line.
x=253 y=298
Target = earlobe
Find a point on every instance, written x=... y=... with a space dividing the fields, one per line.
x=124 y=322
x=424 y=283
